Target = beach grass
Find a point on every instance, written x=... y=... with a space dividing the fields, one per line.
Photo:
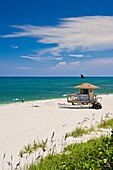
x=82 y=129
x=96 y=153
x=92 y=155
x=106 y=122
x=80 y=156
x=36 y=154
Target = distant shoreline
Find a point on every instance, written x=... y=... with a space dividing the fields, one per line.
x=48 y=99
x=44 y=88
x=52 y=99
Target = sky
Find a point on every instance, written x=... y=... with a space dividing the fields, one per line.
x=56 y=37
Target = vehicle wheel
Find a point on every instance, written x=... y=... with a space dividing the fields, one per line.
x=94 y=106
x=98 y=106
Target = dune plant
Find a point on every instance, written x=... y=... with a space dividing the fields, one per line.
x=30 y=148
x=81 y=129
x=106 y=122
x=95 y=154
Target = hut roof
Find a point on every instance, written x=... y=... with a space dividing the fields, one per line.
x=87 y=86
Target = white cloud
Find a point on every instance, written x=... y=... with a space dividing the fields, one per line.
x=76 y=55
x=88 y=67
x=28 y=57
x=54 y=51
x=45 y=55
x=66 y=65
x=39 y=58
x=14 y=46
x=92 y=33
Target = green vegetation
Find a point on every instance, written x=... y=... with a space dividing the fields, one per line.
x=96 y=154
x=106 y=123
x=30 y=148
x=79 y=131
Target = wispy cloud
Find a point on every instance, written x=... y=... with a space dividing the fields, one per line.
x=76 y=55
x=85 y=66
x=39 y=58
x=66 y=65
x=92 y=33
x=45 y=55
x=14 y=46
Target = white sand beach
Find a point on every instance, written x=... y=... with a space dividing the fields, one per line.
x=21 y=123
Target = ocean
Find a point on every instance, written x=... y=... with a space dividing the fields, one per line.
x=13 y=89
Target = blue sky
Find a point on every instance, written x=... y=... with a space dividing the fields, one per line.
x=56 y=37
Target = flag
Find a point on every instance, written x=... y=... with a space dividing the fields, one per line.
x=82 y=77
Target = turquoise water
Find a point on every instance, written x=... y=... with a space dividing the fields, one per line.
x=39 y=88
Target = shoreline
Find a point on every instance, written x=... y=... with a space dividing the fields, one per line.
x=21 y=123
x=28 y=101
x=40 y=100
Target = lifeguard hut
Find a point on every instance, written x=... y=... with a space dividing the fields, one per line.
x=84 y=96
